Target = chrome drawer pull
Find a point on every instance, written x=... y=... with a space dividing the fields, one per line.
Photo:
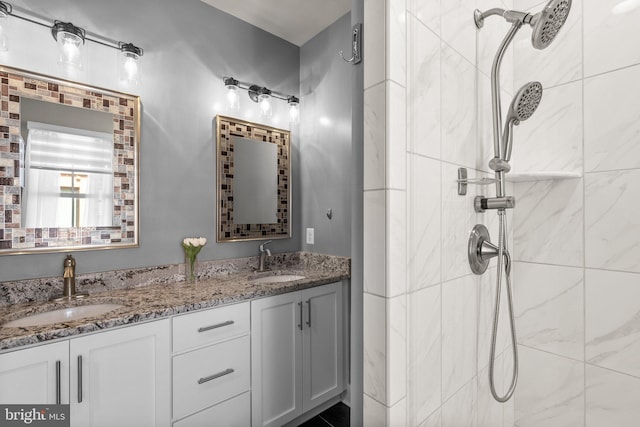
x=80 y=379
x=58 y=391
x=219 y=325
x=214 y=376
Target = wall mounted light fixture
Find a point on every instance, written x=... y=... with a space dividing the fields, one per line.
x=260 y=95
x=5 y=11
x=71 y=40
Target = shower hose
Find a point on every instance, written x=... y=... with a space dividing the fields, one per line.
x=504 y=259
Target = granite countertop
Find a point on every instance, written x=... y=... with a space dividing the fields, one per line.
x=172 y=297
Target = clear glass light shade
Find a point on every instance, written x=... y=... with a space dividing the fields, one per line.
x=264 y=101
x=130 y=68
x=70 y=49
x=4 y=31
x=294 y=112
x=233 y=98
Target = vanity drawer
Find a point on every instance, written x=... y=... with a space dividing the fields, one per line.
x=209 y=375
x=210 y=326
x=234 y=412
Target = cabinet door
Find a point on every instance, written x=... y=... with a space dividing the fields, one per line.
x=276 y=353
x=38 y=375
x=322 y=344
x=122 y=377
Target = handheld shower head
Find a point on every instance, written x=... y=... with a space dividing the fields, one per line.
x=548 y=22
x=526 y=101
x=522 y=107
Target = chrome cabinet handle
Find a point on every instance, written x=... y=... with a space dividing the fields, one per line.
x=80 y=379
x=300 y=324
x=309 y=313
x=214 y=376
x=58 y=393
x=219 y=325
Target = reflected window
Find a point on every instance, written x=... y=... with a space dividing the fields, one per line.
x=68 y=177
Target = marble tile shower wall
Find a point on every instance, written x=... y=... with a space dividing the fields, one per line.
x=427 y=318
x=577 y=241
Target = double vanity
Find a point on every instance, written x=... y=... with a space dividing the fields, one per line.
x=238 y=347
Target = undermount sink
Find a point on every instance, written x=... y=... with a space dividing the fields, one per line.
x=277 y=279
x=62 y=315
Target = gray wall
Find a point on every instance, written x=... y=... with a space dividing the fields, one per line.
x=189 y=47
x=325 y=148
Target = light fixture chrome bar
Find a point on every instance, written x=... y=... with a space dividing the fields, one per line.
x=257 y=89
x=7 y=9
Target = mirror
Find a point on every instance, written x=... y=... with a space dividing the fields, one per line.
x=253 y=181
x=68 y=165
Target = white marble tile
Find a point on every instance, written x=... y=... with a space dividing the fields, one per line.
x=425 y=352
x=397 y=414
x=396 y=139
x=374 y=413
x=374 y=347
x=397 y=41
x=374 y=43
x=459 y=314
x=374 y=137
x=612 y=329
x=396 y=258
x=550 y=391
x=612 y=121
x=374 y=242
x=458 y=218
x=490 y=411
x=458 y=92
x=612 y=220
x=508 y=408
x=428 y=12
x=527 y=4
x=434 y=420
x=551 y=140
x=457 y=28
x=609 y=36
x=396 y=350
x=548 y=218
x=486 y=304
x=560 y=62
x=549 y=308
x=424 y=222
x=613 y=399
x=423 y=94
x=486 y=310
x=461 y=409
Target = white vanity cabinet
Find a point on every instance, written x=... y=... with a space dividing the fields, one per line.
x=297 y=358
x=121 y=377
x=211 y=367
x=38 y=375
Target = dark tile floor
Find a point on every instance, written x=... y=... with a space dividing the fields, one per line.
x=336 y=416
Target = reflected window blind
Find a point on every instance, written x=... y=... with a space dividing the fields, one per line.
x=61 y=148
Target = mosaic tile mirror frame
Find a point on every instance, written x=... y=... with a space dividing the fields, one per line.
x=229 y=132
x=121 y=139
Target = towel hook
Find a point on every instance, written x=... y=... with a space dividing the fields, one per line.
x=356 y=45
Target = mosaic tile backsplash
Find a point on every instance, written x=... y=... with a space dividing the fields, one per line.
x=15 y=86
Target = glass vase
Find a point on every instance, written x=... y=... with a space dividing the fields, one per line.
x=191 y=269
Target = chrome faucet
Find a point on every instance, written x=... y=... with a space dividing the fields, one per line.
x=69 y=279
x=264 y=253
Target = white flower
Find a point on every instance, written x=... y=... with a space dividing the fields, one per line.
x=194 y=241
